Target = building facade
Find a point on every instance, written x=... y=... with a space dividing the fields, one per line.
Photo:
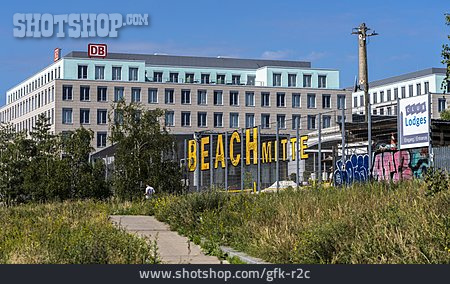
x=197 y=93
x=384 y=93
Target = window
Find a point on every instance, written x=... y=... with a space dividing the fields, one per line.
x=84 y=116
x=340 y=101
x=201 y=119
x=101 y=94
x=84 y=93
x=375 y=112
x=326 y=101
x=322 y=81
x=296 y=120
x=201 y=97
x=311 y=100
x=185 y=97
x=118 y=94
x=389 y=110
x=355 y=101
x=281 y=100
x=403 y=92
x=169 y=97
x=339 y=118
x=381 y=96
x=220 y=79
x=185 y=118
x=361 y=100
x=234 y=120
x=265 y=120
x=67 y=93
x=375 y=98
x=173 y=77
x=189 y=78
x=157 y=76
x=251 y=80
x=118 y=117
x=296 y=100
x=389 y=95
x=218 y=119
x=152 y=96
x=249 y=99
x=101 y=116
x=205 y=78
x=236 y=79
x=265 y=99
x=234 y=98
x=418 y=89
x=82 y=71
x=411 y=89
x=133 y=74
x=135 y=95
x=292 y=80
x=276 y=82
x=99 y=72
x=306 y=81
x=326 y=121
x=67 y=116
x=101 y=139
x=117 y=73
x=169 y=118
x=281 y=120
x=441 y=105
x=395 y=93
x=395 y=110
x=381 y=111
x=427 y=87
x=311 y=122
x=218 y=98
x=249 y=120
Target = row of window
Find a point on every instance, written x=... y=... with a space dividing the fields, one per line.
x=35 y=84
x=202 y=97
x=85 y=116
x=249 y=120
x=292 y=80
x=28 y=124
x=116 y=71
x=388 y=95
x=30 y=104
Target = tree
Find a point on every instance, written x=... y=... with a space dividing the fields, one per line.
x=445 y=115
x=446 y=59
x=144 y=153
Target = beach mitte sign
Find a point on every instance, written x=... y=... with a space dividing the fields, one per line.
x=267 y=153
x=414 y=122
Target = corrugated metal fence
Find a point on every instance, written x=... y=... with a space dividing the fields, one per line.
x=442 y=158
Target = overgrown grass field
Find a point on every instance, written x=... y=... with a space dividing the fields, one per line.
x=373 y=223
x=69 y=232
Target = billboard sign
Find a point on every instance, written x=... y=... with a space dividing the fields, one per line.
x=414 y=122
x=97 y=50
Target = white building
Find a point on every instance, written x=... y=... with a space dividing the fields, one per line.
x=384 y=93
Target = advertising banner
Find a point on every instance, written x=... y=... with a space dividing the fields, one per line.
x=414 y=122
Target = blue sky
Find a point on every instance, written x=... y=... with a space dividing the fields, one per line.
x=411 y=33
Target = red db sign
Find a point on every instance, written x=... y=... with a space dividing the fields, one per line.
x=97 y=50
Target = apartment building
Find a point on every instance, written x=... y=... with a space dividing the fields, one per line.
x=197 y=93
x=384 y=93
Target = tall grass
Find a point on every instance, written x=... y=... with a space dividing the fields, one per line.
x=372 y=223
x=69 y=232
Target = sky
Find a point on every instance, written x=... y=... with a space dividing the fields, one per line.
x=411 y=33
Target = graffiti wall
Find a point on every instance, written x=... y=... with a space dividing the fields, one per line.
x=389 y=165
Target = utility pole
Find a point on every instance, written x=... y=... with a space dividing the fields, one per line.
x=361 y=31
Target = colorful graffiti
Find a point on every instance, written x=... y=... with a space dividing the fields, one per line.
x=398 y=165
x=390 y=165
x=355 y=169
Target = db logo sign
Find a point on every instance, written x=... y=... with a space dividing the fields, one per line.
x=97 y=50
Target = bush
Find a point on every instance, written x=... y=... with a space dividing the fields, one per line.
x=69 y=232
x=366 y=223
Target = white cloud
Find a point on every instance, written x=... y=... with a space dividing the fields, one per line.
x=314 y=55
x=279 y=54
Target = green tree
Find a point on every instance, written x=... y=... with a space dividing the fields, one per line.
x=144 y=153
x=445 y=115
x=446 y=59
